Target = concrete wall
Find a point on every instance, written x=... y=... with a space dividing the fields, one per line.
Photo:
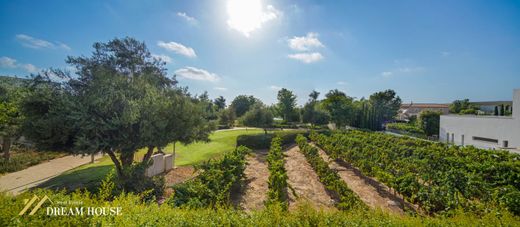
x=161 y=163
x=493 y=127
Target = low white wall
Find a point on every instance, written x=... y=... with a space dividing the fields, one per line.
x=161 y=163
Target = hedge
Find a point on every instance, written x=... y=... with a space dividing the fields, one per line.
x=263 y=141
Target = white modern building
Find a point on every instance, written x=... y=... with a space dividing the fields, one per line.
x=491 y=132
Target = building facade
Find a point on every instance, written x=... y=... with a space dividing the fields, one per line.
x=414 y=109
x=490 y=132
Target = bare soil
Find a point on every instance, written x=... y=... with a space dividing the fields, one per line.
x=304 y=184
x=176 y=176
x=373 y=193
x=254 y=190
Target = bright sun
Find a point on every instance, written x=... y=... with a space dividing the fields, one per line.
x=248 y=15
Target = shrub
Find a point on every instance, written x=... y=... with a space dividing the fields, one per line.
x=277 y=183
x=406 y=128
x=329 y=177
x=213 y=186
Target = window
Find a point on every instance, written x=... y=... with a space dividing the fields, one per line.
x=505 y=144
x=483 y=139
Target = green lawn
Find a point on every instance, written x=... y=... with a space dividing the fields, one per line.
x=90 y=175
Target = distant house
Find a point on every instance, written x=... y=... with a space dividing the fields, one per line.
x=493 y=132
x=414 y=109
x=494 y=107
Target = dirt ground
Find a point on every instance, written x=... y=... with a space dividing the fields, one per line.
x=176 y=176
x=255 y=190
x=304 y=182
x=371 y=192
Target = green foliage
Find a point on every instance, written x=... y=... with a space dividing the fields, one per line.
x=212 y=187
x=458 y=106
x=263 y=141
x=277 y=182
x=438 y=177
x=11 y=116
x=429 y=122
x=243 y=103
x=227 y=117
x=330 y=178
x=286 y=103
x=339 y=107
x=220 y=103
x=406 y=128
x=135 y=212
x=257 y=116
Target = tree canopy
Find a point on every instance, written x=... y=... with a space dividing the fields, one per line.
x=286 y=103
x=242 y=103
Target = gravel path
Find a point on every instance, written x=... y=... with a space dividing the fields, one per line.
x=257 y=175
x=371 y=192
x=18 y=182
x=304 y=181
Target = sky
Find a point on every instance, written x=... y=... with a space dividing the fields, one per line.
x=427 y=51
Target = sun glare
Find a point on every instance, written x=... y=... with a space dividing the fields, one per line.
x=246 y=16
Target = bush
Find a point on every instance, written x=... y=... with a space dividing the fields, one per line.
x=135 y=212
x=329 y=177
x=406 y=128
x=277 y=183
x=213 y=186
x=263 y=141
x=429 y=122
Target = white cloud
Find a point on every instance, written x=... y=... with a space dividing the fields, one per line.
x=341 y=83
x=29 y=68
x=247 y=16
x=220 y=88
x=178 y=48
x=386 y=74
x=163 y=57
x=7 y=62
x=305 y=43
x=186 y=17
x=31 y=42
x=193 y=73
x=306 y=57
x=274 y=87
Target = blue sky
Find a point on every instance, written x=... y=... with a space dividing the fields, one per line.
x=427 y=51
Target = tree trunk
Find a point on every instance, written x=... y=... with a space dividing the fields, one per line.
x=6 y=146
x=148 y=154
x=119 y=169
x=127 y=158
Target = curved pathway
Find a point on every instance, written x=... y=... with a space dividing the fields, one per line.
x=17 y=182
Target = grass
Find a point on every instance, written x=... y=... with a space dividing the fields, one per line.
x=89 y=176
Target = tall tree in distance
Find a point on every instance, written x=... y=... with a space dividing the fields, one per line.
x=286 y=103
x=220 y=103
x=242 y=103
x=385 y=104
x=312 y=113
x=339 y=106
x=258 y=116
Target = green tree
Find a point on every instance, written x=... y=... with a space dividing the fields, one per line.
x=286 y=103
x=220 y=103
x=258 y=116
x=11 y=117
x=122 y=100
x=458 y=106
x=311 y=111
x=242 y=103
x=429 y=122
x=339 y=106
x=227 y=117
